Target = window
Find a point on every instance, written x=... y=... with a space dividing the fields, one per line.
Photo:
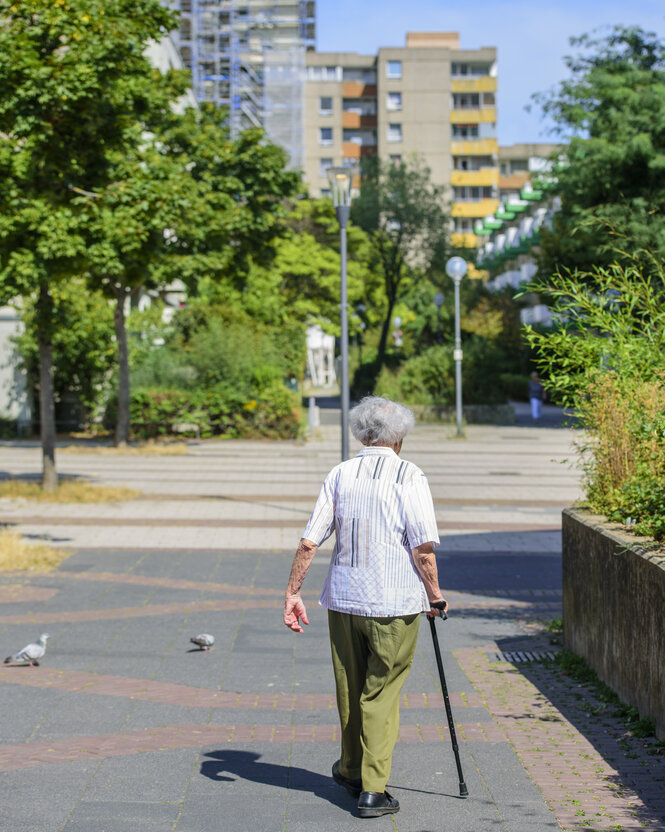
x=504 y=167
x=324 y=164
x=361 y=106
x=489 y=99
x=394 y=101
x=325 y=105
x=325 y=135
x=394 y=69
x=465 y=131
x=325 y=192
x=396 y=158
x=519 y=165
x=394 y=132
x=466 y=101
x=324 y=73
x=362 y=75
x=349 y=162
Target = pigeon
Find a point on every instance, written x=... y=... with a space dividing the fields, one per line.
x=31 y=652
x=204 y=640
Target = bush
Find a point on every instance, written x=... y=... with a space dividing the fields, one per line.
x=515 y=386
x=624 y=457
x=219 y=411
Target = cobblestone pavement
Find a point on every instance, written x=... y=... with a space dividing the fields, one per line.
x=127 y=726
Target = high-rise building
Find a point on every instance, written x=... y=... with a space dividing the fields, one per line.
x=429 y=98
x=249 y=55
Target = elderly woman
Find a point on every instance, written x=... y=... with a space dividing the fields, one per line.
x=382 y=575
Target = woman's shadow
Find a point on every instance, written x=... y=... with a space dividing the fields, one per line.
x=245 y=765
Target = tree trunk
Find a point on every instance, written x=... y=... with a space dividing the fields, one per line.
x=46 y=405
x=383 y=340
x=122 y=423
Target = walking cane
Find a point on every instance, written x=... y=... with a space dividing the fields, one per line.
x=463 y=791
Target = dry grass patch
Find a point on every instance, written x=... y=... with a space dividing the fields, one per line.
x=150 y=448
x=18 y=556
x=69 y=491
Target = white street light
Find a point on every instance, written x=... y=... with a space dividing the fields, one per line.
x=456 y=269
x=341 y=185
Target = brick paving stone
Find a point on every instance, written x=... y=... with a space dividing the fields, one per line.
x=223 y=520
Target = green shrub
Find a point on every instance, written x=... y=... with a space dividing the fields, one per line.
x=515 y=386
x=218 y=411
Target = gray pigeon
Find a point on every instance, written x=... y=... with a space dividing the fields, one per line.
x=204 y=640
x=31 y=653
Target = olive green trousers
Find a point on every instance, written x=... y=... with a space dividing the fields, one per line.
x=371 y=660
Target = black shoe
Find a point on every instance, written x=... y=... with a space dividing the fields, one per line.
x=374 y=804
x=353 y=787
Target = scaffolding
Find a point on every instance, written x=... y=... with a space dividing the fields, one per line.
x=248 y=56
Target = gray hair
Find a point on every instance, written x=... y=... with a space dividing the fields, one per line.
x=378 y=421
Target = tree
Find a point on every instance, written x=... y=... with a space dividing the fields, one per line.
x=239 y=193
x=83 y=348
x=127 y=232
x=612 y=173
x=402 y=212
x=71 y=76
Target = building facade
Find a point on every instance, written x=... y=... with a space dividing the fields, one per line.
x=249 y=56
x=429 y=98
x=511 y=235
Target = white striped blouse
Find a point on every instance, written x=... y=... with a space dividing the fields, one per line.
x=380 y=507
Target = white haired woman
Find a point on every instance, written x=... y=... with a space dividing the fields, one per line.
x=382 y=575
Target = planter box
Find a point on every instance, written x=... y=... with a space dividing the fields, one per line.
x=614 y=609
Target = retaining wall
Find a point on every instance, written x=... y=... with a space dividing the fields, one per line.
x=614 y=609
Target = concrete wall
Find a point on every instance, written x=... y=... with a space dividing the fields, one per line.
x=614 y=610
x=14 y=404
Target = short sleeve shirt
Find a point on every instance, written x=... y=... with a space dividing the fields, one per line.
x=380 y=507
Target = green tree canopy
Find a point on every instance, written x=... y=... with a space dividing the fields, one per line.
x=74 y=81
x=403 y=213
x=612 y=173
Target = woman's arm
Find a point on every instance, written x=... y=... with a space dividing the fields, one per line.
x=424 y=560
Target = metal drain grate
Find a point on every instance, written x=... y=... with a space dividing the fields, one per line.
x=521 y=656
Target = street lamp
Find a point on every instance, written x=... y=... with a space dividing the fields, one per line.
x=438 y=302
x=456 y=269
x=341 y=183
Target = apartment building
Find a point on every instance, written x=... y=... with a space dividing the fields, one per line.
x=511 y=235
x=429 y=97
x=249 y=56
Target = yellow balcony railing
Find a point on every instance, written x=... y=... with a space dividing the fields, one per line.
x=464 y=116
x=484 y=84
x=479 y=209
x=475 y=147
x=463 y=240
x=486 y=176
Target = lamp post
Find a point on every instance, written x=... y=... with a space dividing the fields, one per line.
x=341 y=183
x=456 y=269
x=438 y=302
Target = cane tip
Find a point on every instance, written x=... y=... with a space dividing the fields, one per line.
x=463 y=791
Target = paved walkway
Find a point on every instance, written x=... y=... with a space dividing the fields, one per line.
x=125 y=727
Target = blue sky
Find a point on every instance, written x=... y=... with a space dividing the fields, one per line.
x=531 y=38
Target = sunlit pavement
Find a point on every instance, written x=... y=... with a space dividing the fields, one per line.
x=125 y=726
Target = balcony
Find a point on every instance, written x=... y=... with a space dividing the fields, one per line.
x=475 y=147
x=484 y=84
x=357 y=89
x=485 y=176
x=350 y=120
x=473 y=116
x=481 y=208
x=459 y=240
x=351 y=150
